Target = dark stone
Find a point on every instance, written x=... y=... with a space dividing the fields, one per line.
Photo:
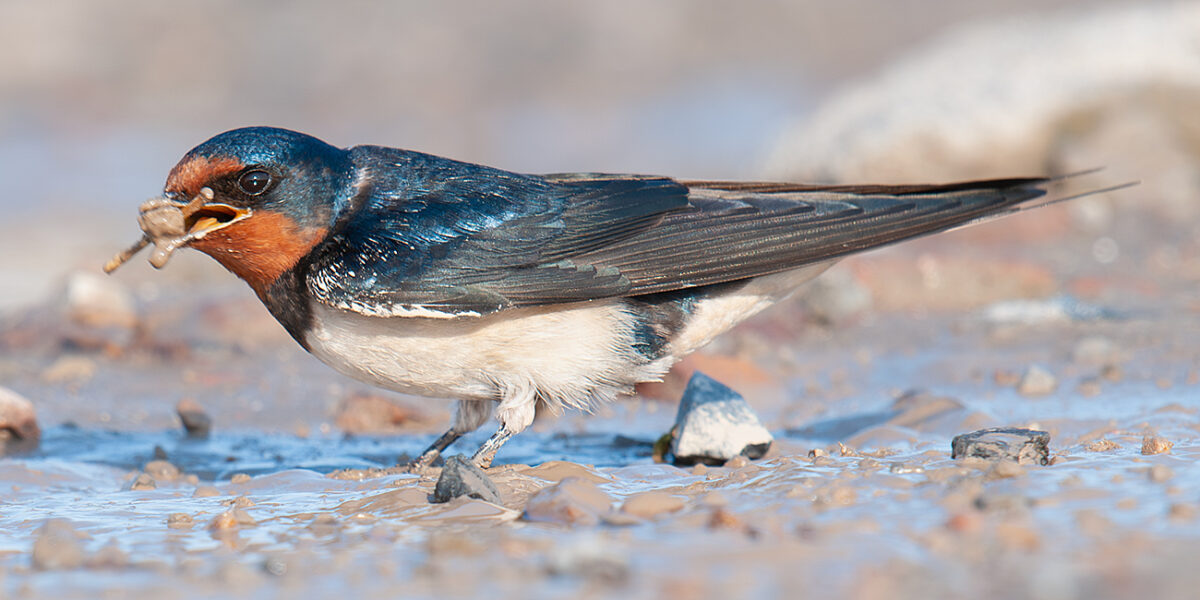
x=196 y=422
x=715 y=424
x=1024 y=446
x=460 y=477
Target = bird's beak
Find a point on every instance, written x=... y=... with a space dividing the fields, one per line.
x=170 y=225
x=211 y=217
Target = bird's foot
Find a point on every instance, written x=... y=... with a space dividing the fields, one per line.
x=487 y=452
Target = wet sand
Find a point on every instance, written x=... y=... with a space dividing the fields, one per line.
x=1080 y=320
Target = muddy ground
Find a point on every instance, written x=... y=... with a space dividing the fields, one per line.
x=1081 y=320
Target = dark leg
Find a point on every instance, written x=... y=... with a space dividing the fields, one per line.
x=469 y=416
x=484 y=455
x=435 y=450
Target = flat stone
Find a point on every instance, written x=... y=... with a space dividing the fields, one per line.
x=1025 y=446
x=460 y=477
x=715 y=424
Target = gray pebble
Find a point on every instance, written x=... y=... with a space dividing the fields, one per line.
x=1025 y=446
x=715 y=424
x=460 y=477
x=196 y=422
x=142 y=482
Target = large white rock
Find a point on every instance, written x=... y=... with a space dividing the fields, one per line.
x=1111 y=87
x=715 y=424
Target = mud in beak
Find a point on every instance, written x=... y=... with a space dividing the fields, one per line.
x=211 y=217
x=170 y=225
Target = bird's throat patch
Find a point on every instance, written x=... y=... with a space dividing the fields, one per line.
x=260 y=248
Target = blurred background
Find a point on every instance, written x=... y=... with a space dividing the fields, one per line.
x=98 y=100
x=1079 y=318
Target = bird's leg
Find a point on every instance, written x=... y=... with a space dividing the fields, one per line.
x=469 y=416
x=516 y=412
x=484 y=455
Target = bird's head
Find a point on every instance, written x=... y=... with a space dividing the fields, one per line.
x=258 y=199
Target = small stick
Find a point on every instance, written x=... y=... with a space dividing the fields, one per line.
x=160 y=256
x=123 y=256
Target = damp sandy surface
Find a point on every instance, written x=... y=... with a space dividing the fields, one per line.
x=864 y=380
x=858 y=495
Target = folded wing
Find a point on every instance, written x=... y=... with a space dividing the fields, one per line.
x=450 y=239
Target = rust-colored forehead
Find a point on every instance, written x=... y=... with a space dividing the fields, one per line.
x=193 y=173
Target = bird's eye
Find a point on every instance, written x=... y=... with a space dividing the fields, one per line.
x=254 y=183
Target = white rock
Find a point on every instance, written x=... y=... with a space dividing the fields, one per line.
x=715 y=424
x=1007 y=96
x=97 y=300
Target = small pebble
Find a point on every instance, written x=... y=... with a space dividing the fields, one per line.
x=1037 y=381
x=161 y=470
x=231 y=519
x=142 y=482
x=723 y=519
x=206 y=491
x=239 y=478
x=1025 y=446
x=1112 y=373
x=275 y=566
x=1161 y=473
x=1153 y=444
x=180 y=521
x=460 y=477
x=1181 y=511
x=57 y=546
x=1102 y=446
x=17 y=416
x=736 y=462
x=196 y=422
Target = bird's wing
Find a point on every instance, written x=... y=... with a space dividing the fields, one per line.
x=452 y=241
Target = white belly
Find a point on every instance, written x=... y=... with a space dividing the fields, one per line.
x=563 y=352
x=568 y=355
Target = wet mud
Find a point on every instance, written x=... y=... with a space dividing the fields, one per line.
x=289 y=493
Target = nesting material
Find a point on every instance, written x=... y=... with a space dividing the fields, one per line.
x=164 y=223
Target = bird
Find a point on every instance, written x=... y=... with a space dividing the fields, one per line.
x=508 y=291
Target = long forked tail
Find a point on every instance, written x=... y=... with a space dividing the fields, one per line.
x=737 y=230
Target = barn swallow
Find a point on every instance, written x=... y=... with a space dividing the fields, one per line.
x=441 y=278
